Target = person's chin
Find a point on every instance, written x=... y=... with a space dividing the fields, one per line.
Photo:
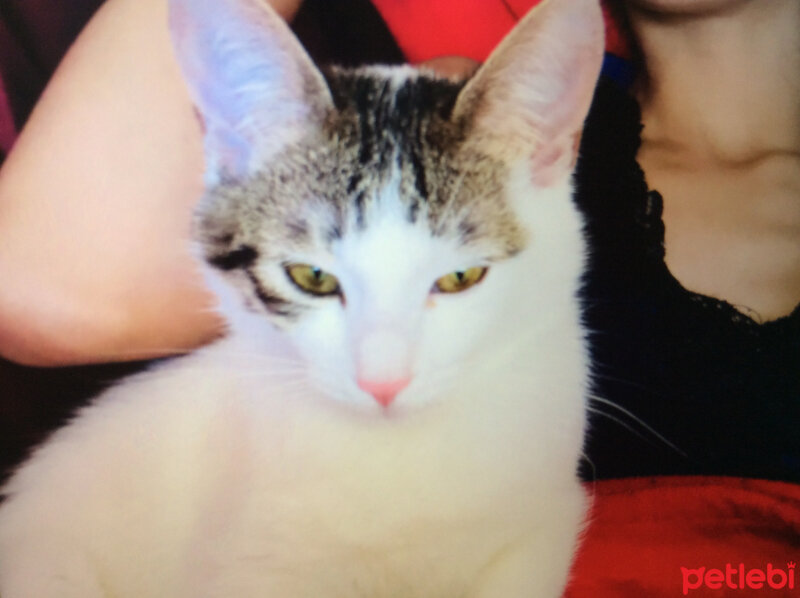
x=685 y=7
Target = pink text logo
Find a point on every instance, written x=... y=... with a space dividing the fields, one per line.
x=738 y=578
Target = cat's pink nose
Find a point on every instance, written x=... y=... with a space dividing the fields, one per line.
x=384 y=391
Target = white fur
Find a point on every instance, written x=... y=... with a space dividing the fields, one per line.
x=231 y=472
x=256 y=467
x=249 y=76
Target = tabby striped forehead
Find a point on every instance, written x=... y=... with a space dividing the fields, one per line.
x=390 y=126
x=395 y=120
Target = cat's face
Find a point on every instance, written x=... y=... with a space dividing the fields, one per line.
x=385 y=220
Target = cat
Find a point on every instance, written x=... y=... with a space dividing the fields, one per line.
x=398 y=407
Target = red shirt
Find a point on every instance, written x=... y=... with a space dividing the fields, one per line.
x=430 y=28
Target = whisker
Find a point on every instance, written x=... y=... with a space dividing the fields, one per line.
x=620 y=422
x=585 y=457
x=152 y=353
x=638 y=420
x=272 y=371
x=637 y=385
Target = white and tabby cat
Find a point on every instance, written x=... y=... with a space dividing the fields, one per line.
x=399 y=406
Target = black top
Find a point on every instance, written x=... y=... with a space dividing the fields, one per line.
x=714 y=391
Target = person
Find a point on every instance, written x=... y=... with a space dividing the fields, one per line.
x=97 y=194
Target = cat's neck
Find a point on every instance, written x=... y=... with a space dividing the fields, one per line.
x=724 y=81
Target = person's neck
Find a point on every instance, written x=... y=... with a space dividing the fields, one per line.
x=723 y=84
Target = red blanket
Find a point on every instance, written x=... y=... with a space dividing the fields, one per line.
x=690 y=536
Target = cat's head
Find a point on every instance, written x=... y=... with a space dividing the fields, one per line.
x=391 y=224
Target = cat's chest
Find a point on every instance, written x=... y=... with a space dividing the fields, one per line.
x=291 y=548
x=289 y=444
x=269 y=482
x=361 y=478
x=365 y=500
x=368 y=510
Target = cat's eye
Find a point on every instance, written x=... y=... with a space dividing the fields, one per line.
x=313 y=280
x=460 y=280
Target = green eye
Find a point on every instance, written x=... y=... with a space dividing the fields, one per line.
x=461 y=280
x=312 y=280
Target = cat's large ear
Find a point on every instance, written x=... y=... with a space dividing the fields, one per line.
x=532 y=95
x=253 y=84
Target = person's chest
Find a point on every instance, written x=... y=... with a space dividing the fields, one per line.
x=733 y=232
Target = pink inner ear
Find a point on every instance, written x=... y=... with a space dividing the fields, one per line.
x=231 y=151
x=535 y=89
x=555 y=158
